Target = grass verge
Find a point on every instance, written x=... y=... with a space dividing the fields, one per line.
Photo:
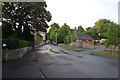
x=71 y=48
x=106 y=54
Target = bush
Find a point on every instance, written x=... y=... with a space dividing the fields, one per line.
x=15 y=43
x=23 y=43
x=102 y=41
x=69 y=39
x=38 y=40
x=96 y=42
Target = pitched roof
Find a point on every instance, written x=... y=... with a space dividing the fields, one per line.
x=84 y=37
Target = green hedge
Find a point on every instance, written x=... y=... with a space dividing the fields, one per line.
x=15 y=43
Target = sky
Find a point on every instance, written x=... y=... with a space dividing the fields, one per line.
x=82 y=12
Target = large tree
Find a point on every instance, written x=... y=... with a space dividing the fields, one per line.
x=63 y=32
x=88 y=28
x=101 y=26
x=112 y=35
x=54 y=29
x=23 y=17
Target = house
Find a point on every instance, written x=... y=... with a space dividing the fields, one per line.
x=85 y=40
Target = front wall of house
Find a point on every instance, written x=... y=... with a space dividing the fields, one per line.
x=83 y=44
x=87 y=44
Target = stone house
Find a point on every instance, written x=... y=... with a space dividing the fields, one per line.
x=83 y=41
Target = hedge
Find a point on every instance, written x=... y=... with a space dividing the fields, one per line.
x=15 y=43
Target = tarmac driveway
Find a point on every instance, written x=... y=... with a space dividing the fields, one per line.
x=52 y=61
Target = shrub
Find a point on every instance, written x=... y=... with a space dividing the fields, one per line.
x=67 y=39
x=37 y=40
x=102 y=41
x=23 y=43
x=96 y=42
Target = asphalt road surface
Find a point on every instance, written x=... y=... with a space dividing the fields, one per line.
x=51 y=61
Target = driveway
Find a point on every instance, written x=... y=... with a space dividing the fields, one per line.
x=52 y=61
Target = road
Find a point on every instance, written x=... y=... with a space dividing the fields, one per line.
x=53 y=61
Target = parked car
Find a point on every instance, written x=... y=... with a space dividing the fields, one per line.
x=55 y=43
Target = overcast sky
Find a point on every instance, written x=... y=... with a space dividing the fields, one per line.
x=82 y=12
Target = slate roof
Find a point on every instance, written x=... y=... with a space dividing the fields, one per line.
x=84 y=37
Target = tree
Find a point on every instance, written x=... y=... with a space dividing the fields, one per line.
x=112 y=35
x=70 y=37
x=7 y=30
x=25 y=17
x=92 y=32
x=80 y=30
x=67 y=39
x=101 y=27
x=63 y=32
x=54 y=28
x=65 y=29
x=119 y=35
x=88 y=28
x=101 y=23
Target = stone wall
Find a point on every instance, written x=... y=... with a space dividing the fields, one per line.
x=113 y=48
x=87 y=45
x=14 y=54
x=82 y=44
x=76 y=44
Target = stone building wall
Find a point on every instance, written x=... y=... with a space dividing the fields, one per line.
x=83 y=44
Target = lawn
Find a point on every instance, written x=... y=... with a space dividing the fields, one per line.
x=106 y=54
x=71 y=48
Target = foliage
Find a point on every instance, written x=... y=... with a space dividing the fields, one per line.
x=7 y=30
x=70 y=37
x=92 y=32
x=112 y=35
x=54 y=28
x=106 y=54
x=80 y=30
x=62 y=32
x=96 y=42
x=67 y=39
x=88 y=28
x=109 y=33
x=101 y=23
x=38 y=40
x=118 y=34
x=101 y=26
x=102 y=41
x=19 y=18
x=15 y=43
x=60 y=37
